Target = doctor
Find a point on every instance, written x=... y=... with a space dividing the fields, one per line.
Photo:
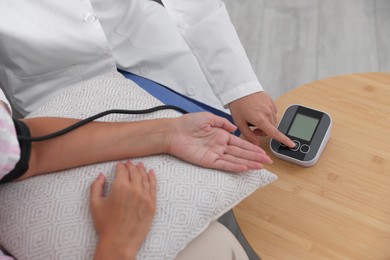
x=189 y=46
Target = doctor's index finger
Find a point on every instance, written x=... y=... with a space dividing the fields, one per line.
x=274 y=133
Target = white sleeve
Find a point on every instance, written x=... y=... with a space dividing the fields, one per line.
x=207 y=29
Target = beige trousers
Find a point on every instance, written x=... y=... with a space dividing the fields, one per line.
x=215 y=243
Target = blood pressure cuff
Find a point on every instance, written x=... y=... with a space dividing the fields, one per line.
x=25 y=149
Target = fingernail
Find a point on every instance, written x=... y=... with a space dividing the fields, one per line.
x=130 y=163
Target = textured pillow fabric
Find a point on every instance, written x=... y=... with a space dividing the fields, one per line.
x=47 y=217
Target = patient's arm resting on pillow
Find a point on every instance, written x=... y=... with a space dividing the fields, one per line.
x=200 y=138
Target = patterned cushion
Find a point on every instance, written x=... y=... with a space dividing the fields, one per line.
x=47 y=217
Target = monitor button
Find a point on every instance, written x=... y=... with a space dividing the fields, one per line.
x=305 y=148
x=297 y=144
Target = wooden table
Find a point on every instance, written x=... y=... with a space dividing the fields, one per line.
x=340 y=207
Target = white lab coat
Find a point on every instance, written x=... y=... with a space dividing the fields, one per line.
x=188 y=45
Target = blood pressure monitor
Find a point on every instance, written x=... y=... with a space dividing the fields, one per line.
x=310 y=131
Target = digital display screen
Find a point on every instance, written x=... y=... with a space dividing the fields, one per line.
x=303 y=127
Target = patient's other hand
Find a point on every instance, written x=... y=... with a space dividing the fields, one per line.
x=123 y=218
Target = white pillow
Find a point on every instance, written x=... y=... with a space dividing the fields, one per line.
x=47 y=217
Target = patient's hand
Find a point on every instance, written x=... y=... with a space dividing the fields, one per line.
x=123 y=218
x=205 y=139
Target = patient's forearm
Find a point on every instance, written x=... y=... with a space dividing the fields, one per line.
x=92 y=143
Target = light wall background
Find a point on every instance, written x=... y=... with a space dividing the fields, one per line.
x=293 y=42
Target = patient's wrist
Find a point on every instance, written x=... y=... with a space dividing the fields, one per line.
x=106 y=250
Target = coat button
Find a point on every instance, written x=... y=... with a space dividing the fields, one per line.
x=90 y=18
x=144 y=71
x=191 y=91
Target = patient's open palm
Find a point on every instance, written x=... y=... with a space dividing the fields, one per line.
x=205 y=139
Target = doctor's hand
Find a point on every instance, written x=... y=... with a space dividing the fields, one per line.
x=123 y=218
x=205 y=140
x=259 y=110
